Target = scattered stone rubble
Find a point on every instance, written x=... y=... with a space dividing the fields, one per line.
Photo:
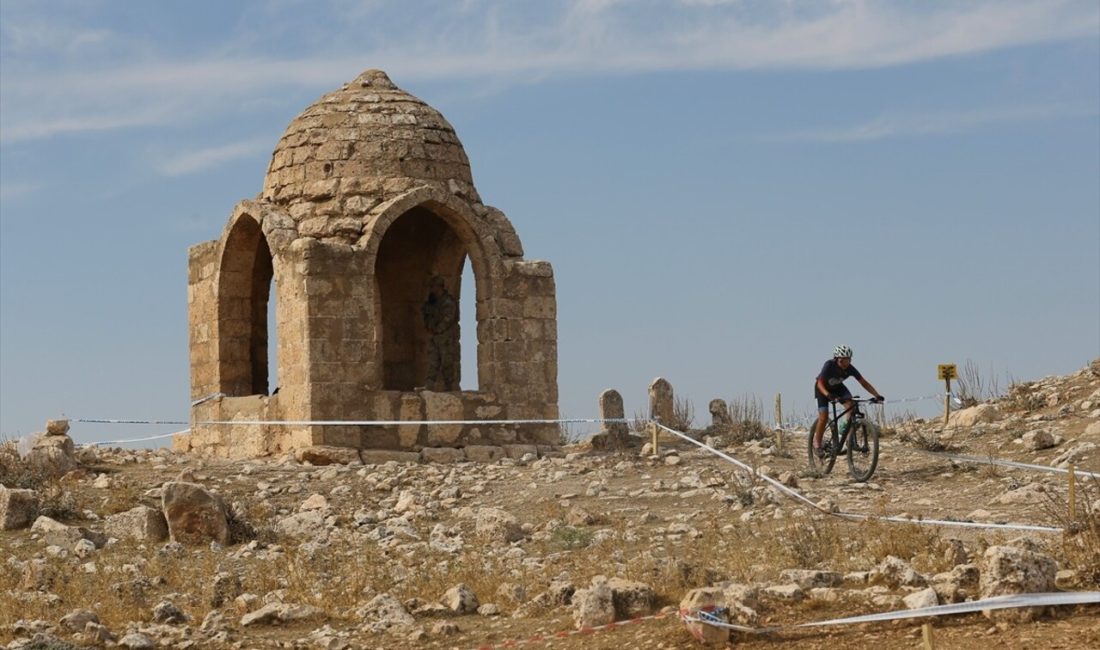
x=413 y=513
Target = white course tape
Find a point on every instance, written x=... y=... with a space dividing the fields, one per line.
x=371 y=423
x=856 y=516
x=1005 y=463
x=999 y=602
x=358 y=423
x=104 y=421
x=115 y=442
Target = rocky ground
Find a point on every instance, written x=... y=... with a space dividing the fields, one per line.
x=143 y=549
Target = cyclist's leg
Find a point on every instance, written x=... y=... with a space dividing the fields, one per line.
x=845 y=397
x=822 y=417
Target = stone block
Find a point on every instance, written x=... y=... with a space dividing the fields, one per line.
x=484 y=453
x=57 y=427
x=18 y=508
x=141 y=523
x=519 y=451
x=442 y=455
x=328 y=455
x=382 y=456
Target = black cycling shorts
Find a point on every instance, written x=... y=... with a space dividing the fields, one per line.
x=841 y=392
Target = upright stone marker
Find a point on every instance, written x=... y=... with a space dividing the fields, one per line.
x=661 y=401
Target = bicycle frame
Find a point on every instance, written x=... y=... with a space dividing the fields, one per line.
x=834 y=422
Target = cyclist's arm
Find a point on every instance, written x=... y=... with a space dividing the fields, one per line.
x=866 y=384
x=822 y=388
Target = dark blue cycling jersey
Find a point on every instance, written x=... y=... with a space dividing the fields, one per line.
x=834 y=377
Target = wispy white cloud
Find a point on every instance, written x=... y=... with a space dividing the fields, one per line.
x=202 y=159
x=938 y=123
x=506 y=42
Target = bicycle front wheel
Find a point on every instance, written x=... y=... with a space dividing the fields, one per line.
x=862 y=450
x=823 y=465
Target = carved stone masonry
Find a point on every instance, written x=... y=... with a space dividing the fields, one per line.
x=367 y=219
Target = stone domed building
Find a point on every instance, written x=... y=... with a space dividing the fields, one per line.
x=366 y=221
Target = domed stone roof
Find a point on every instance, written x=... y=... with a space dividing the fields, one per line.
x=363 y=144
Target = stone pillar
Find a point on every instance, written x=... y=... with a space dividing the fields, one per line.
x=661 y=401
x=339 y=345
x=523 y=363
x=202 y=268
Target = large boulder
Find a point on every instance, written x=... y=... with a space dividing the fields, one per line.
x=460 y=599
x=52 y=455
x=708 y=600
x=595 y=605
x=57 y=533
x=18 y=508
x=1007 y=570
x=142 y=523
x=975 y=415
x=631 y=599
x=195 y=515
x=498 y=525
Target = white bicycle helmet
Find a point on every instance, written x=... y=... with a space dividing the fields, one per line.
x=842 y=351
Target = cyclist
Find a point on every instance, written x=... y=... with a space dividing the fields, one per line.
x=830 y=386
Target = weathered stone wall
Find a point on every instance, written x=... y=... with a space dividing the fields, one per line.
x=201 y=314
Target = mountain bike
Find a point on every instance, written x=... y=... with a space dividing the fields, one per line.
x=854 y=436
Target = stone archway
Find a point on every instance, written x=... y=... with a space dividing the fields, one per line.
x=245 y=274
x=418 y=271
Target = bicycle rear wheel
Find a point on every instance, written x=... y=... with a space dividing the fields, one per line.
x=862 y=450
x=824 y=464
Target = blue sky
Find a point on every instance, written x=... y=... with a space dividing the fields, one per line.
x=726 y=189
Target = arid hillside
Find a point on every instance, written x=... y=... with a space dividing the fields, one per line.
x=150 y=549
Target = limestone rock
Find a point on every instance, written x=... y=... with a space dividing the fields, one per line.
x=321 y=455
x=57 y=427
x=1008 y=570
x=975 y=415
x=498 y=525
x=594 y=605
x=281 y=613
x=443 y=455
x=384 y=612
x=484 y=453
x=1037 y=440
x=77 y=620
x=708 y=599
x=921 y=599
x=631 y=599
x=810 y=579
x=460 y=599
x=194 y=514
x=141 y=523
x=18 y=508
x=896 y=572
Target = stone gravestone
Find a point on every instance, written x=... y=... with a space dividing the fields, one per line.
x=661 y=401
x=720 y=415
x=611 y=433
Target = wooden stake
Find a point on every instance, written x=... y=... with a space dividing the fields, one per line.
x=653 y=426
x=1072 y=493
x=947 y=402
x=926 y=635
x=779 y=423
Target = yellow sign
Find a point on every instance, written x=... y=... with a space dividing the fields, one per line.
x=947 y=371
